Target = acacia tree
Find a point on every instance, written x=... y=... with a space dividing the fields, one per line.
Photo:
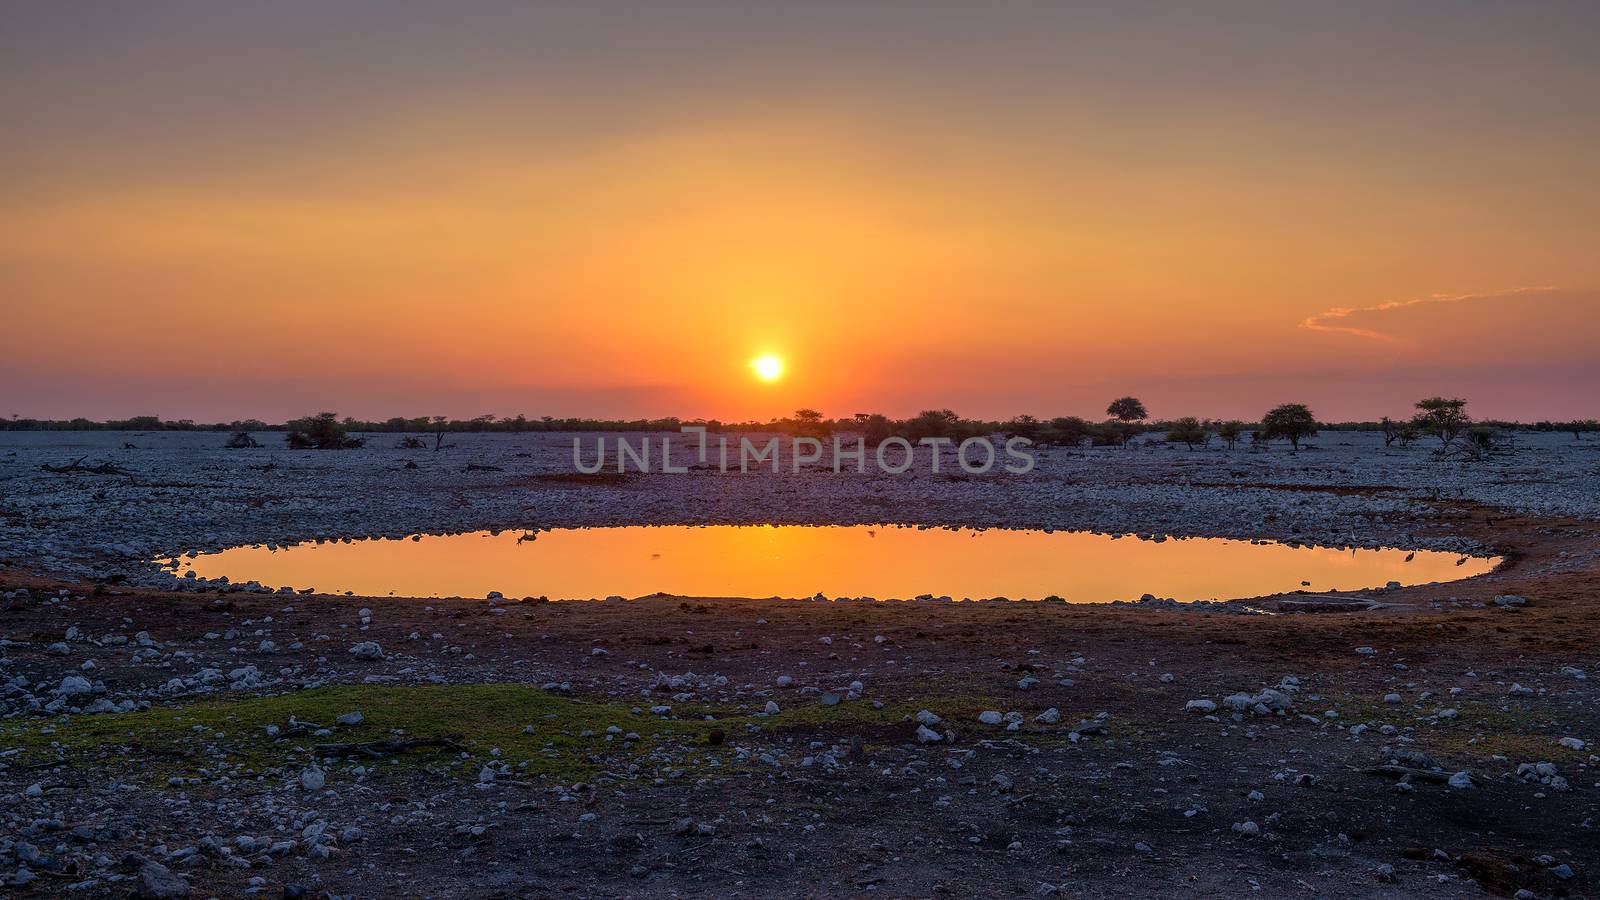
x=1127 y=409
x=1229 y=431
x=1189 y=430
x=1126 y=413
x=1444 y=419
x=1291 y=421
x=809 y=423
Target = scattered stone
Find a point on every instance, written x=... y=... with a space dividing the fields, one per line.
x=158 y=882
x=367 y=650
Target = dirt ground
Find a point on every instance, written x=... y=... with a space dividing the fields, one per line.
x=1124 y=792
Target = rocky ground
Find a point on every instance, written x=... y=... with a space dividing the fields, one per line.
x=193 y=742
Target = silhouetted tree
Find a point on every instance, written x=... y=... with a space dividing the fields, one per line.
x=1127 y=409
x=934 y=423
x=1069 y=431
x=809 y=423
x=323 y=431
x=1229 y=431
x=1189 y=430
x=1025 y=426
x=1444 y=419
x=875 y=428
x=1291 y=421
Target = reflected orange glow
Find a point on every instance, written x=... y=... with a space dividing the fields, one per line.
x=885 y=562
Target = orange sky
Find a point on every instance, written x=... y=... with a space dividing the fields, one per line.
x=220 y=214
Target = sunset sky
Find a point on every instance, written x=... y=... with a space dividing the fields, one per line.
x=218 y=211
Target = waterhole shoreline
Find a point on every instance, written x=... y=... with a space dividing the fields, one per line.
x=880 y=561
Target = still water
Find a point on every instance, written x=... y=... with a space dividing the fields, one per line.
x=886 y=562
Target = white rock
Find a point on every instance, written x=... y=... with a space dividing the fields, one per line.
x=1202 y=706
x=73 y=685
x=367 y=650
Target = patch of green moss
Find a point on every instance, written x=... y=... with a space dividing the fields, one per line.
x=230 y=735
x=568 y=740
x=1479 y=730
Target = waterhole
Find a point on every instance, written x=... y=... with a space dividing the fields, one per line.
x=883 y=562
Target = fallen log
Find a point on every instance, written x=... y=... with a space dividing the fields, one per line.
x=77 y=465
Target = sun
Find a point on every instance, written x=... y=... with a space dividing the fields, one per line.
x=767 y=367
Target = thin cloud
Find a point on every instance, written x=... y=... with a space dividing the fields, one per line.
x=1328 y=320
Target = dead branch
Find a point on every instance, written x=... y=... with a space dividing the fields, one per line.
x=77 y=465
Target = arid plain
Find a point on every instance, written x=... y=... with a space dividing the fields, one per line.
x=1435 y=738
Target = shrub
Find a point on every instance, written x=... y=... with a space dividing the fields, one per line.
x=1408 y=433
x=1189 y=430
x=809 y=423
x=322 y=431
x=1481 y=439
x=935 y=423
x=1229 y=431
x=1068 y=431
x=1026 y=427
x=875 y=428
